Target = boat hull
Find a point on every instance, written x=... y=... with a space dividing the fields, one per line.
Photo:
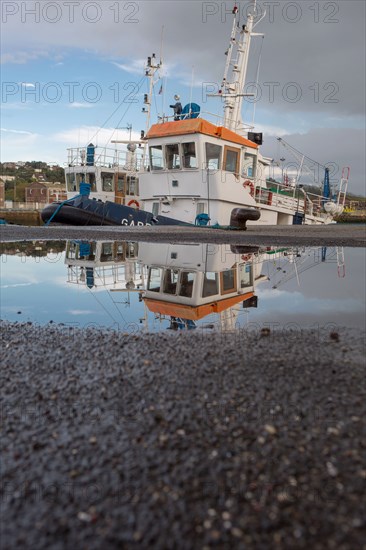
x=85 y=211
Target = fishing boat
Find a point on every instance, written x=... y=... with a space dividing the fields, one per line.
x=199 y=172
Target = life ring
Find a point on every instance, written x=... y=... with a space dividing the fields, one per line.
x=245 y=257
x=249 y=184
x=136 y=203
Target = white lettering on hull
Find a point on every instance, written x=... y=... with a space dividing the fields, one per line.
x=125 y=222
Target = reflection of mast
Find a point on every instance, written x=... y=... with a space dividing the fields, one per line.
x=229 y=317
x=294 y=261
x=340 y=262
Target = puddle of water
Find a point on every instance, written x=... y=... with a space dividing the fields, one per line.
x=135 y=287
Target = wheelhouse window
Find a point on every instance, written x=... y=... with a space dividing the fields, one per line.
x=210 y=285
x=228 y=281
x=107 y=182
x=249 y=165
x=213 y=156
x=186 y=283
x=170 y=281
x=154 y=279
x=172 y=157
x=156 y=157
x=189 y=155
x=231 y=159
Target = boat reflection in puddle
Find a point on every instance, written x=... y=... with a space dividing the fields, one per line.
x=112 y=265
x=185 y=286
x=134 y=287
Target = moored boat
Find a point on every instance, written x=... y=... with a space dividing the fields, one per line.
x=203 y=173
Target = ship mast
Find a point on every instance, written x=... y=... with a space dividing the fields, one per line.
x=152 y=66
x=232 y=90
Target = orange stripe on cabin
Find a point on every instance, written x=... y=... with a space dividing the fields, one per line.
x=194 y=313
x=197 y=126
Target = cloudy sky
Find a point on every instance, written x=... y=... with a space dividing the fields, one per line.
x=72 y=67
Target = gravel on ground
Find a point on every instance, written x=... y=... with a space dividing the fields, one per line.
x=182 y=441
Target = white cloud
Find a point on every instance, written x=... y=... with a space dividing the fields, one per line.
x=269 y=130
x=136 y=66
x=16 y=285
x=22 y=57
x=99 y=136
x=80 y=311
x=22 y=132
x=76 y=105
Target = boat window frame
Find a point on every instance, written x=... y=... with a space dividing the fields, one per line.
x=206 y=284
x=185 y=288
x=155 y=168
x=245 y=268
x=210 y=143
x=233 y=288
x=230 y=148
x=254 y=165
x=170 y=287
x=151 y=269
x=132 y=185
x=168 y=164
x=102 y=175
x=184 y=156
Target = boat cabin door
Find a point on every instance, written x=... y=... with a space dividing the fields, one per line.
x=120 y=188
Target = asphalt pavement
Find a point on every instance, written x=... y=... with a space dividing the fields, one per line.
x=182 y=441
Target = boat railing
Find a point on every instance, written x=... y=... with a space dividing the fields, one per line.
x=105 y=157
x=283 y=196
x=117 y=276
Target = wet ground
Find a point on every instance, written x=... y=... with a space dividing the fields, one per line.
x=332 y=235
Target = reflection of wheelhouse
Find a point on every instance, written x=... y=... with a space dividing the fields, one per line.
x=111 y=174
x=190 y=282
x=111 y=264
